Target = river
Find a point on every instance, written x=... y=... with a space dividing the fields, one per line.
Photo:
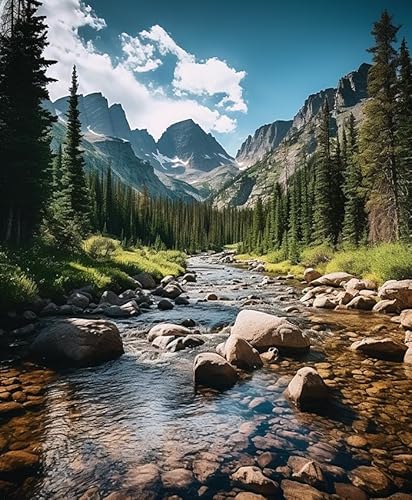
x=97 y=427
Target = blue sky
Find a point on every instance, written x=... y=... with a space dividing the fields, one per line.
x=232 y=66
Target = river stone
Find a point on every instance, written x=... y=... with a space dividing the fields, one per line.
x=78 y=342
x=307 y=388
x=50 y=310
x=408 y=356
x=204 y=469
x=324 y=303
x=165 y=305
x=240 y=353
x=167 y=279
x=163 y=342
x=220 y=349
x=380 y=348
x=245 y=495
x=333 y=279
x=177 y=479
x=372 y=480
x=406 y=319
x=293 y=490
x=251 y=478
x=307 y=471
x=109 y=297
x=10 y=408
x=264 y=330
x=347 y=491
x=361 y=302
x=211 y=296
x=180 y=343
x=145 y=477
x=172 y=291
x=189 y=278
x=166 y=330
x=78 y=300
x=18 y=462
x=146 y=280
x=311 y=274
x=212 y=370
x=387 y=306
x=400 y=290
x=181 y=301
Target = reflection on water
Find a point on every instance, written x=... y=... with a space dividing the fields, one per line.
x=100 y=425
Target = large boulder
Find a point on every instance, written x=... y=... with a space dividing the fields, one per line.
x=78 y=342
x=361 y=302
x=406 y=319
x=146 y=280
x=240 y=353
x=355 y=285
x=324 y=302
x=189 y=278
x=387 y=306
x=400 y=290
x=264 y=330
x=78 y=300
x=251 y=478
x=307 y=389
x=166 y=330
x=385 y=348
x=212 y=370
x=333 y=279
x=408 y=356
x=311 y=274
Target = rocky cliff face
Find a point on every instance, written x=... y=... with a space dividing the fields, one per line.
x=185 y=151
x=264 y=139
x=278 y=164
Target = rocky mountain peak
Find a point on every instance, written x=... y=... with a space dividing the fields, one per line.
x=352 y=88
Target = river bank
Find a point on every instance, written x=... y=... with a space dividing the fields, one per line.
x=135 y=428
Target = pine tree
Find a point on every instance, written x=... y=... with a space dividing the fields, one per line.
x=74 y=161
x=24 y=126
x=108 y=226
x=354 y=216
x=323 y=210
x=378 y=136
x=404 y=138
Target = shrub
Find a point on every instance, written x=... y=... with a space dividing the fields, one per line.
x=314 y=256
x=16 y=287
x=275 y=257
x=100 y=247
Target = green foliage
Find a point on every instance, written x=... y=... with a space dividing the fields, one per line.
x=100 y=247
x=314 y=256
x=16 y=287
x=383 y=262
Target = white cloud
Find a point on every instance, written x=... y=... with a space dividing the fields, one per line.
x=147 y=105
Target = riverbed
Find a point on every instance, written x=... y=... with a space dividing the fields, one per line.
x=97 y=429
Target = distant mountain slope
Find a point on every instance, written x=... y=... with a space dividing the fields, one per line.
x=265 y=139
x=185 y=151
x=279 y=163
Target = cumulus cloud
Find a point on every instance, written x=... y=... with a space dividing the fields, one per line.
x=147 y=105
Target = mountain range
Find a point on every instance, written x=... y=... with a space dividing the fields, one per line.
x=188 y=163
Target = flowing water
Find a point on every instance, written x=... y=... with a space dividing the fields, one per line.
x=95 y=428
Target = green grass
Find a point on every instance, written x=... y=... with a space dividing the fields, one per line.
x=46 y=272
x=378 y=263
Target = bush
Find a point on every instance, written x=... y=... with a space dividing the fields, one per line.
x=315 y=256
x=15 y=286
x=100 y=247
x=275 y=257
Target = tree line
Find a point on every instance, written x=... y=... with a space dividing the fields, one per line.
x=357 y=187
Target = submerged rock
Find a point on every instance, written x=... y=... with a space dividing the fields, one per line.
x=372 y=480
x=380 y=348
x=264 y=330
x=293 y=490
x=165 y=305
x=166 y=330
x=78 y=342
x=252 y=479
x=307 y=389
x=240 y=353
x=18 y=462
x=212 y=370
